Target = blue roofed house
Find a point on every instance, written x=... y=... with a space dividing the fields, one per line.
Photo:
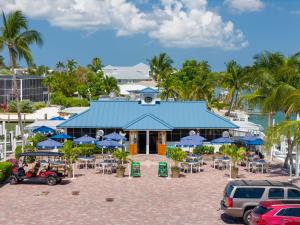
x=149 y=123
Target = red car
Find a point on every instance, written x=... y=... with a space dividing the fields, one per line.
x=285 y=212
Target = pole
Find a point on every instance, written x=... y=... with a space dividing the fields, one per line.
x=4 y=149
x=73 y=172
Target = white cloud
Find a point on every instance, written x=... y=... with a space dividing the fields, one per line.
x=244 y=5
x=189 y=24
x=175 y=23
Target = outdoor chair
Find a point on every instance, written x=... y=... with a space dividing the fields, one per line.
x=185 y=167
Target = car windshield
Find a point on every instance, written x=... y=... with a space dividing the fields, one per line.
x=260 y=210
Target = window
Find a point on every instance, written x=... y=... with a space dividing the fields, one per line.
x=249 y=193
x=275 y=193
x=260 y=210
x=294 y=194
x=292 y=212
x=228 y=190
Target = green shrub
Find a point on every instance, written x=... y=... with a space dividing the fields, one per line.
x=5 y=170
x=86 y=150
x=177 y=155
x=221 y=149
x=36 y=139
x=38 y=105
x=60 y=99
x=25 y=105
x=203 y=149
x=18 y=152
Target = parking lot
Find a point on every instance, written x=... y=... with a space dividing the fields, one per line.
x=94 y=198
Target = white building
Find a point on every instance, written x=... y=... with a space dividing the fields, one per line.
x=128 y=74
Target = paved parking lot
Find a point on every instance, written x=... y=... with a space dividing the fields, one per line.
x=192 y=199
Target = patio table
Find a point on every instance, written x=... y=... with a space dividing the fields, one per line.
x=217 y=160
x=192 y=163
x=86 y=159
x=199 y=158
x=261 y=163
x=108 y=162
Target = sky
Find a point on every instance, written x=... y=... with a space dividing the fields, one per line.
x=124 y=33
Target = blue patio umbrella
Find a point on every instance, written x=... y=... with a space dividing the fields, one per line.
x=57 y=118
x=195 y=137
x=251 y=140
x=43 y=130
x=61 y=136
x=189 y=143
x=108 y=144
x=222 y=140
x=49 y=144
x=114 y=136
x=85 y=140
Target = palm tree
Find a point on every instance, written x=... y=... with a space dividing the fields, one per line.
x=71 y=65
x=96 y=65
x=235 y=79
x=169 y=87
x=60 y=66
x=109 y=85
x=16 y=35
x=159 y=66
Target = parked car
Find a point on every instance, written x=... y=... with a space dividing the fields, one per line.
x=285 y=212
x=242 y=196
x=42 y=169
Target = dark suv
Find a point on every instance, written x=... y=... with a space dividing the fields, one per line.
x=241 y=196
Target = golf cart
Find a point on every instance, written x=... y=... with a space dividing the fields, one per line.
x=45 y=167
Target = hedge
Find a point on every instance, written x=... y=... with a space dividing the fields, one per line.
x=5 y=170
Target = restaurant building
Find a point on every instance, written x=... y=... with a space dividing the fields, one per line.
x=148 y=123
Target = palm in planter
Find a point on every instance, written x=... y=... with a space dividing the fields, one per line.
x=122 y=157
x=177 y=155
x=70 y=155
x=236 y=155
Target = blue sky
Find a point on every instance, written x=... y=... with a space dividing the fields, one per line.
x=124 y=32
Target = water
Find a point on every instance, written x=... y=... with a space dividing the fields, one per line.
x=263 y=119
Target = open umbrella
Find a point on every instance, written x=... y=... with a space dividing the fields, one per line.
x=251 y=140
x=85 y=140
x=114 y=136
x=222 y=140
x=108 y=144
x=43 y=130
x=194 y=138
x=61 y=137
x=49 y=144
x=189 y=143
x=57 y=118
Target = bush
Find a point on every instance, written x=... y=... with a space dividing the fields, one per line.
x=177 y=155
x=18 y=152
x=60 y=99
x=26 y=106
x=38 y=105
x=36 y=139
x=221 y=149
x=86 y=150
x=203 y=149
x=5 y=170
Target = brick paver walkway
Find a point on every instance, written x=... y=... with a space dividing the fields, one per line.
x=193 y=199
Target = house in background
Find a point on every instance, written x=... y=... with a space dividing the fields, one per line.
x=128 y=74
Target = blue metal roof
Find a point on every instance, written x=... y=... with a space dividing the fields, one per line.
x=176 y=115
x=146 y=121
x=148 y=90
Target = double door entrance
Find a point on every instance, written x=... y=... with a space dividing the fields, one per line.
x=142 y=142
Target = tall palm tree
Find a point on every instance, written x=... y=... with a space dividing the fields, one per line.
x=60 y=66
x=159 y=66
x=17 y=37
x=169 y=87
x=235 y=79
x=71 y=65
x=96 y=65
x=109 y=85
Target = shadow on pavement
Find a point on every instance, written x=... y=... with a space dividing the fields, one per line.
x=231 y=220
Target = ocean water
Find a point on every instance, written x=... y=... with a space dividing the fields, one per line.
x=263 y=119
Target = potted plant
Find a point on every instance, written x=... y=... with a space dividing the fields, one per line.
x=70 y=156
x=177 y=155
x=121 y=156
x=235 y=154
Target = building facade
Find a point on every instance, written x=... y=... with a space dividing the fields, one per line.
x=29 y=88
x=149 y=124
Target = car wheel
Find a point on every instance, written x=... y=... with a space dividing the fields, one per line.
x=13 y=180
x=246 y=216
x=51 y=181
